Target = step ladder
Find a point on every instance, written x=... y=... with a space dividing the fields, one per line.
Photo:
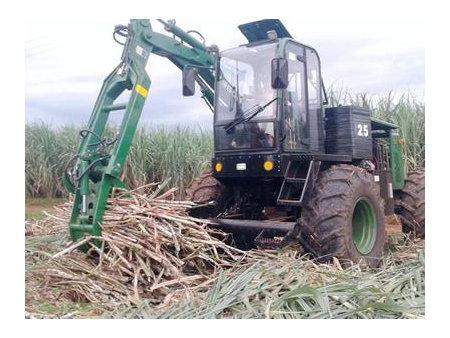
x=298 y=182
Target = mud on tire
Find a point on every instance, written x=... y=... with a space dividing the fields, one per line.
x=345 y=216
x=413 y=203
x=207 y=189
x=204 y=189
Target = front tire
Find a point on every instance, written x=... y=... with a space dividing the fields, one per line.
x=207 y=189
x=204 y=189
x=345 y=216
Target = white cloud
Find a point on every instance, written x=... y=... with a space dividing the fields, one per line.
x=71 y=58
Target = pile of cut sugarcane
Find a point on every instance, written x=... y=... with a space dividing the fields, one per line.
x=155 y=261
x=150 y=248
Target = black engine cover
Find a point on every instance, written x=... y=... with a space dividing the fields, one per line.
x=348 y=132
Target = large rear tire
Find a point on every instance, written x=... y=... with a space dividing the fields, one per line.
x=345 y=217
x=413 y=203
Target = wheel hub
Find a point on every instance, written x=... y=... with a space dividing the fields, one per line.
x=364 y=226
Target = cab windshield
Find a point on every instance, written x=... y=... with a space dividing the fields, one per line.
x=244 y=87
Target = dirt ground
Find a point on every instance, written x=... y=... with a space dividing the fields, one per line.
x=34 y=209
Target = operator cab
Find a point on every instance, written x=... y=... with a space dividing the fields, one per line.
x=267 y=103
x=256 y=109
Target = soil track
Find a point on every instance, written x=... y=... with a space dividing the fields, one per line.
x=34 y=209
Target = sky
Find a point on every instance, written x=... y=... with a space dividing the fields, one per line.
x=67 y=60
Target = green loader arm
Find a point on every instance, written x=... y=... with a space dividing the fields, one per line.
x=97 y=167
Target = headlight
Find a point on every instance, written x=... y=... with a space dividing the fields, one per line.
x=268 y=165
x=218 y=167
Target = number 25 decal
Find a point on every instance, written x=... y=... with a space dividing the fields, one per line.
x=363 y=130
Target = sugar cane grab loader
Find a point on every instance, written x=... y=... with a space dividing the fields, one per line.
x=285 y=169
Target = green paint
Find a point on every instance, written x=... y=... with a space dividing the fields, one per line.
x=364 y=226
x=396 y=161
x=100 y=164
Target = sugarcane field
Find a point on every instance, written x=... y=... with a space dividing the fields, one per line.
x=163 y=263
x=287 y=196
